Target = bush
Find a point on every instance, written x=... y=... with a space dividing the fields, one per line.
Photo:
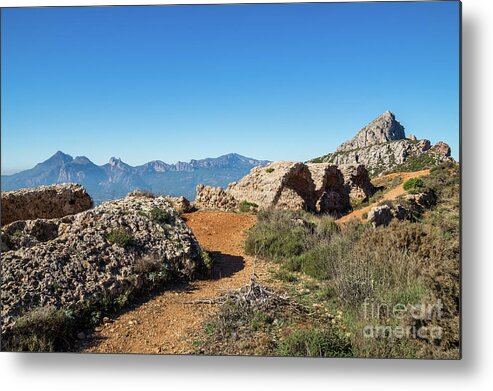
x=207 y=260
x=147 y=264
x=42 y=329
x=121 y=238
x=246 y=206
x=315 y=343
x=276 y=237
x=413 y=185
x=269 y=170
x=285 y=275
x=159 y=216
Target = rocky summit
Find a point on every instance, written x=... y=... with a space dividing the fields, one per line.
x=102 y=254
x=383 y=129
x=382 y=146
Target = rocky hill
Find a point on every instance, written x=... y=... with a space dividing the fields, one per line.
x=116 y=178
x=382 y=146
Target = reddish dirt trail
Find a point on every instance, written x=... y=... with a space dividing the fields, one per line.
x=391 y=195
x=161 y=324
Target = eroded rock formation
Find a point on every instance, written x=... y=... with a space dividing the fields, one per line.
x=45 y=202
x=281 y=184
x=314 y=187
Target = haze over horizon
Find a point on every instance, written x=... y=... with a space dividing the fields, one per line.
x=276 y=82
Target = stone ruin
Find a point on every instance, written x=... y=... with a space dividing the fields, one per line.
x=314 y=187
x=44 y=202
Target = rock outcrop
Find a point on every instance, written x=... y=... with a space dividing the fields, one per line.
x=380 y=215
x=45 y=202
x=100 y=254
x=180 y=204
x=357 y=182
x=330 y=191
x=381 y=130
x=209 y=197
x=382 y=146
x=282 y=184
x=409 y=207
x=314 y=187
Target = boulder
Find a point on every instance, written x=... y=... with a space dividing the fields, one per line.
x=180 y=204
x=45 y=202
x=380 y=215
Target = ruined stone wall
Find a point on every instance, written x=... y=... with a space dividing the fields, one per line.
x=44 y=202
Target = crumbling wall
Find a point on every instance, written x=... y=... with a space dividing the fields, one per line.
x=44 y=202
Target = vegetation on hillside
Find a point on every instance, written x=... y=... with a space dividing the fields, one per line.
x=373 y=279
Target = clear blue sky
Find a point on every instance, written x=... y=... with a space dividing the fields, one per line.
x=289 y=81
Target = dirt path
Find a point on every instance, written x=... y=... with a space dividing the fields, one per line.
x=391 y=195
x=160 y=324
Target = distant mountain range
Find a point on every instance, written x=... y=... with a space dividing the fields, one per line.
x=116 y=178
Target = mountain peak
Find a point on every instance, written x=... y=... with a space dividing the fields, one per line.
x=382 y=129
x=118 y=163
x=58 y=159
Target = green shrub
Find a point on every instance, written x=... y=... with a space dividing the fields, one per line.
x=278 y=235
x=42 y=329
x=159 y=216
x=246 y=206
x=121 y=238
x=269 y=170
x=326 y=227
x=413 y=185
x=285 y=275
x=315 y=343
x=207 y=259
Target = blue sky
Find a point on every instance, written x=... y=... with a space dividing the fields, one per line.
x=287 y=81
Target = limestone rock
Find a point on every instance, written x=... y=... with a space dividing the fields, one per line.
x=180 y=204
x=79 y=259
x=381 y=130
x=382 y=145
x=209 y=197
x=441 y=148
x=357 y=182
x=45 y=202
x=282 y=184
x=330 y=189
x=380 y=215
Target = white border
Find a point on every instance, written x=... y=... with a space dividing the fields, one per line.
x=91 y=372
